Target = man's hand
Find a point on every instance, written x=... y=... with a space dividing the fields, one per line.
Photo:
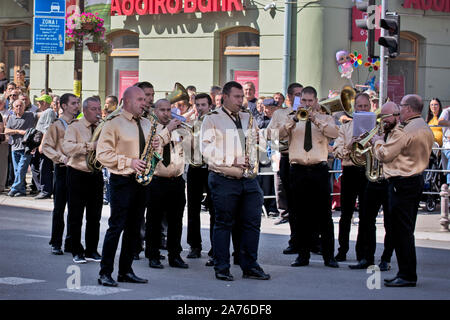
x=350 y=145
x=173 y=124
x=156 y=142
x=138 y=165
x=376 y=138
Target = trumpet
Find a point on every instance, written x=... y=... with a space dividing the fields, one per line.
x=302 y=114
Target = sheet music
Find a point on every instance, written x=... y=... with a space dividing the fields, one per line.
x=363 y=122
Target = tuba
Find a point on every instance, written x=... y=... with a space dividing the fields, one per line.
x=195 y=131
x=179 y=93
x=343 y=102
x=251 y=152
x=149 y=155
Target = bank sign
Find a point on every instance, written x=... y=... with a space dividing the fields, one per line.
x=49 y=26
x=144 y=7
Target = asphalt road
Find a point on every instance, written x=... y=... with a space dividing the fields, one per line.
x=29 y=271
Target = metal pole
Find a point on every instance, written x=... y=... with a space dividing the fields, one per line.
x=287 y=46
x=47 y=59
x=78 y=60
x=383 y=60
x=444 y=208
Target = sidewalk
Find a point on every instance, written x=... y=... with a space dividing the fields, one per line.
x=427 y=226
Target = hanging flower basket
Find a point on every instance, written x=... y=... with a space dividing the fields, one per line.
x=94 y=47
x=88 y=26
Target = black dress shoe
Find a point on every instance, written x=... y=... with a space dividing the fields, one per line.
x=130 y=277
x=224 y=275
x=289 y=250
x=194 y=253
x=399 y=282
x=362 y=264
x=390 y=279
x=332 y=263
x=57 y=251
x=341 y=257
x=178 y=263
x=384 y=266
x=107 y=281
x=256 y=273
x=300 y=262
x=210 y=262
x=155 y=263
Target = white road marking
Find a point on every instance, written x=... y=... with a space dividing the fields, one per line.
x=95 y=290
x=181 y=297
x=14 y=281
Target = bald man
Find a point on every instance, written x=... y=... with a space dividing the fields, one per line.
x=375 y=196
x=121 y=143
x=405 y=155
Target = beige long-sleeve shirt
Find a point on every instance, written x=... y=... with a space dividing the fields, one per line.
x=407 y=150
x=176 y=165
x=340 y=147
x=279 y=119
x=52 y=144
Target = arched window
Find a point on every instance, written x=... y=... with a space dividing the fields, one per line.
x=123 y=62
x=402 y=71
x=239 y=55
x=16 y=50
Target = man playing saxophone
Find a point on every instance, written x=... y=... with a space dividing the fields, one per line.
x=308 y=153
x=234 y=197
x=84 y=187
x=120 y=145
x=353 y=180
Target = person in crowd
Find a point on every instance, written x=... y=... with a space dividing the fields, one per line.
x=111 y=103
x=28 y=105
x=55 y=105
x=52 y=148
x=444 y=120
x=279 y=98
x=434 y=112
x=249 y=97
x=149 y=92
x=213 y=92
x=218 y=101
x=10 y=87
x=405 y=155
x=3 y=147
x=3 y=79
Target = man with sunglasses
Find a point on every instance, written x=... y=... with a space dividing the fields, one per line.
x=405 y=155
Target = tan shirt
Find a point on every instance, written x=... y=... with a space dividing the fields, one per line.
x=341 y=143
x=52 y=145
x=118 y=143
x=279 y=119
x=220 y=142
x=77 y=143
x=191 y=141
x=176 y=166
x=322 y=132
x=407 y=151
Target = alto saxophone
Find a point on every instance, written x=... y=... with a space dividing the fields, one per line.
x=149 y=155
x=251 y=152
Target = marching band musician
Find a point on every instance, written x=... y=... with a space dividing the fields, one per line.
x=405 y=155
x=353 y=181
x=120 y=145
x=53 y=149
x=308 y=153
x=375 y=196
x=84 y=188
x=166 y=192
x=235 y=198
x=197 y=181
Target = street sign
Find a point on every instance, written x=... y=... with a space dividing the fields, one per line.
x=49 y=26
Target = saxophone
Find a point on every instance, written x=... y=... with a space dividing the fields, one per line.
x=91 y=158
x=251 y=152
x=149 y=155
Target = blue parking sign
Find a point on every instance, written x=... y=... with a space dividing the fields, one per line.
x=49 y=26
x=50 y=8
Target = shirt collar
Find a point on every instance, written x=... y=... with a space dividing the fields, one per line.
x=128 y=115
x=86 y=123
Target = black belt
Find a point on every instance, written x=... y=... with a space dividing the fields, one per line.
x=316 y=165
x=159 y=178
x=400 y=178
x=225 y=176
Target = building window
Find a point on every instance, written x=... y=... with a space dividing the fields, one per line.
x=16 y=50
x=123 y=62
x=240 y=55
x=402 y=71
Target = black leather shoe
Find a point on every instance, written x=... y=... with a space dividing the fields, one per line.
x=210 y=262
x=390 y=279
x=107 y=281
x=161 y=257
x=155 y=263
x=332 y=263
x=341 y=257
x=399 y=282
x=130 y=277
x=224 y=275
x=42 y=196
x=362 y=264
x=256 y=273
x=57 y=251
x=384 y=266
x=289 y=250
x=178 y=263
x=300 y=262
x=194 y=253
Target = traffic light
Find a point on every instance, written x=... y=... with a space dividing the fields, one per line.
x=368 y=23
x=392 y=42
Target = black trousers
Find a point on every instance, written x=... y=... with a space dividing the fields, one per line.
x=376 y=195
x=128 y=200
x=59 y=206
x=312 y=183
x=165 y=195
x=42 y=172
x=404 y=197
x=85 y=191
x=353 y=185
x=197 y=183
x=236 y=200
x=285 y=180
